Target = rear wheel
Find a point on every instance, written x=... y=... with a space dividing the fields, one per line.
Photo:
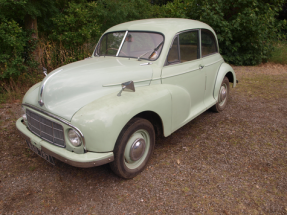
x=223 y=96
x=133 y=148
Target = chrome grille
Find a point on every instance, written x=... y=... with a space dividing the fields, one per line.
x=45 y=128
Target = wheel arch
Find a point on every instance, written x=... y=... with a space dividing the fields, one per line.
x=102 y=120
x=225 y=70
x=154 y=119
x=230 y=77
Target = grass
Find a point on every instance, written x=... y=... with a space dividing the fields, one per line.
x=263 y=85
x=279 y=54
x=54 y=55
x=13 y=90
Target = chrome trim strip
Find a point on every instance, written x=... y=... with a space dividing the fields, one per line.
x=200 y=51
x=59 y=119
x=122 y=43
x=180 y=73
x=109 y=85
x=43 y=85
x=144 y=64
x=77 y=163
x=214 y=62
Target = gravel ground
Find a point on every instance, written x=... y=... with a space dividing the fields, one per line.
x=234 y=162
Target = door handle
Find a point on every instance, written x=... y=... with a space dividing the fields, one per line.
x=201 y=66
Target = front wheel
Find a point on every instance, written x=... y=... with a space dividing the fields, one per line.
x=223 y=96
x=133 y=148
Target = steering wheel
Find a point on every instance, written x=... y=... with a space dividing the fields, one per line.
x=109 y=49
x=116 y=50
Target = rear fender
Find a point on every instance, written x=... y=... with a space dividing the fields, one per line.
x=224 y=70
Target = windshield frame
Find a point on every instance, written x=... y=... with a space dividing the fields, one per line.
x=121 y=45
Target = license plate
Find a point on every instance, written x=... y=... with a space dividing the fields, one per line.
x=42 y=154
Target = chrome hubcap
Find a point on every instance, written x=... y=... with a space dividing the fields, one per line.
x=222 y=94
x=137 y=149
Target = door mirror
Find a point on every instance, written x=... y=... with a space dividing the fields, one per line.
x=127 y=86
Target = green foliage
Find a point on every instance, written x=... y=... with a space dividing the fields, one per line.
x=20 y=9
x=16 y=48
x=76 y=25
x=74 y=34
x=69 y=29
x=176 y=9
x=245 y=28
x=77 y=29
x=17 y=45
x=113 y=12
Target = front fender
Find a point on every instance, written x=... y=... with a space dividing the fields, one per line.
x=102 y=120
x=224 y=70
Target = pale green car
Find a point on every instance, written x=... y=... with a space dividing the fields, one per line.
x=145 y=78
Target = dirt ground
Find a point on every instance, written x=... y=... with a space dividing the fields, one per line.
x=234 y=162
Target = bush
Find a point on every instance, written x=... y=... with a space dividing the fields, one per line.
x=245 y=28
x=113 y=12
x=16 y=48
x=279 y=54
x=77 y=29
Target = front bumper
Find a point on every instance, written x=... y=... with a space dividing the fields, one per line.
x=88 y=159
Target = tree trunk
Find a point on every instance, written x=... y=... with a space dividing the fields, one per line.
x=31 y=24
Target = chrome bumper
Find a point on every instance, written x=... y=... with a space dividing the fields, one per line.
x=86 y=160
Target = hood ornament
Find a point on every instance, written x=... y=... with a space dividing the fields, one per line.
x=45 y=71
x=41 y=99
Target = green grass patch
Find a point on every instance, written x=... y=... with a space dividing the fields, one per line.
x=264 y=86
x=13 y=90
x=279 y=54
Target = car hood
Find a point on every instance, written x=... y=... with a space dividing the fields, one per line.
x=70 y=87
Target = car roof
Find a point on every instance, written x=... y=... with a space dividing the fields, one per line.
x=163 y=25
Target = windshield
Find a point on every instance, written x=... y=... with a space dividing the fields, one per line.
x=141 y=45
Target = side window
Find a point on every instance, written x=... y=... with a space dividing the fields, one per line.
x=208 y=43
x=188 y=42
x=173 y=52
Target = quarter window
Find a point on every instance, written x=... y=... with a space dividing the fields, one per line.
x=173 y=52
x=208 y=43
x=110 y=43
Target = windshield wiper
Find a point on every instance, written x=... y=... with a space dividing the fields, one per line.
x=143 y=55
x=158 y=46
x=155 y=49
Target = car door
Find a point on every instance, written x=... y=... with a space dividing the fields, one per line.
x=187 y=81
x=211 y=61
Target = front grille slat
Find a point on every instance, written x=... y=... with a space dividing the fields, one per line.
x=45 y=128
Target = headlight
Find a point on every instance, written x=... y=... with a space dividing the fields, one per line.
x=24 y=116
x=74 y=137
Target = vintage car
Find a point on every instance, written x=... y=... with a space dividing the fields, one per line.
x=145 y=78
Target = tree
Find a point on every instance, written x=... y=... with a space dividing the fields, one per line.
x=19 y=33
x=245 y=28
